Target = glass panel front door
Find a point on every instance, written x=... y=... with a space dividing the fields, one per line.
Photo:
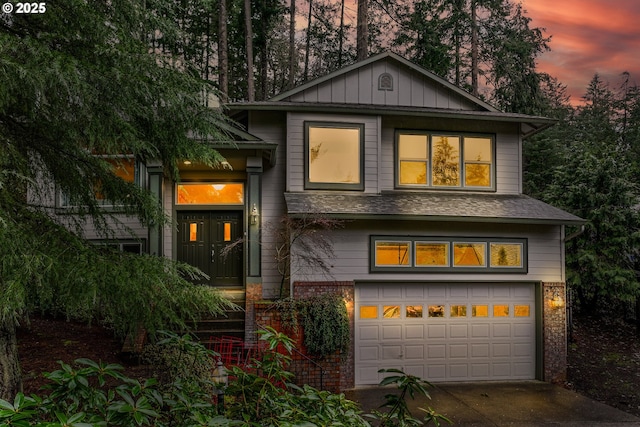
x=203 y=240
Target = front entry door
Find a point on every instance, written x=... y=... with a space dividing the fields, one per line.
x=202 y=239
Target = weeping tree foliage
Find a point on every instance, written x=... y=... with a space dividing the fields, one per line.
x=84 y=80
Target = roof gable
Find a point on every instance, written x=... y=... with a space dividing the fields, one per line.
x=404 y=84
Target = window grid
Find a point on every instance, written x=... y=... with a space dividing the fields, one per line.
x=453 y=161
x=441 y=254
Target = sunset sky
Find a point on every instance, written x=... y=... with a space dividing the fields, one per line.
x=588 y=37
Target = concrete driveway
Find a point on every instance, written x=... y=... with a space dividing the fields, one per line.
x=524 y=404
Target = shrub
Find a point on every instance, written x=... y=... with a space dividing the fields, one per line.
x=96 y=394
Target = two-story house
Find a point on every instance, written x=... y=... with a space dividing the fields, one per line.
x=450 y=272
x=456 y=275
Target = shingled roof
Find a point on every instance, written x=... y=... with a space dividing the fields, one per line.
x=430 y=206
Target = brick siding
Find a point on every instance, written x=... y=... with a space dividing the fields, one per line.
x=334 y=372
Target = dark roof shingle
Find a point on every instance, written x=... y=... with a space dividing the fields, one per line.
x=431 y=206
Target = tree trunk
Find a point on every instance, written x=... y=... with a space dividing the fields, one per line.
x=362 y=30
x=308 y=47
x=341 y=35
x=223 y=57
x=10 y=377
x=292 y=45
x=474 y=49
x=251 y=91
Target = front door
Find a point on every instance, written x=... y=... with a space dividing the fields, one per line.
x=202 y=240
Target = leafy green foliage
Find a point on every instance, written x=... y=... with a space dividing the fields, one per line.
x=81 y=82
x=47 y=268
x=398 y=413
x=587 y=165
x=178 y=359
x=601 y=260
x=326 y=325
x=90 y=393
x=324 y=319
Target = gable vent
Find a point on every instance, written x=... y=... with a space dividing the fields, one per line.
x=385 y=81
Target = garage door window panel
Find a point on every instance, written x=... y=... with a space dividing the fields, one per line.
x=369 y=312
x=458 y=310
x=414 y=311
x=436 y=311
x=479 y=310
x=522 y=311
x=500 y=310
x=391 y=311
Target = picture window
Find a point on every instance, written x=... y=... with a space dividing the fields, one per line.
x=334 y=156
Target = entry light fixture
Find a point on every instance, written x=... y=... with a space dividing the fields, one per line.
x=254 y=215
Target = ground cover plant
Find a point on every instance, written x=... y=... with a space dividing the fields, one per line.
x=97 y=392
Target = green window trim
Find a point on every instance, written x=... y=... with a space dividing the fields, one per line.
x=461 y=254
x=331 y=163
x=444 y=160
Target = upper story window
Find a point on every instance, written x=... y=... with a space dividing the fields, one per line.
x=125 y=167
x=334 y=156
x=438 y=160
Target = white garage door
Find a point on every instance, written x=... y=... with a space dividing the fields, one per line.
x=445 y=332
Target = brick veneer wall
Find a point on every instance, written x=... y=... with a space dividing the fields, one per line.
x=253 y=293
x=554 y=333
x=338 y=369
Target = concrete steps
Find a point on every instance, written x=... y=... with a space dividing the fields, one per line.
x=230 y=324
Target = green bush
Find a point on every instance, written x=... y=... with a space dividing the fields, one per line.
x=325 y=321
x=96 y=394
x=179 y=359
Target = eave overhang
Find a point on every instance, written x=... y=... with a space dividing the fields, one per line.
x=530 y=125
x=242 y=140
x=430 y=206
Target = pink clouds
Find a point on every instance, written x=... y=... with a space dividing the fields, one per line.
x=588 y=37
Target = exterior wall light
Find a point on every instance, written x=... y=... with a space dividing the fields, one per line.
x=557 y=301
x=254 y=215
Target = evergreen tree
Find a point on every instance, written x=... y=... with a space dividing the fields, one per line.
x=601 y=260
x=81 y=80
x=589 y=171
